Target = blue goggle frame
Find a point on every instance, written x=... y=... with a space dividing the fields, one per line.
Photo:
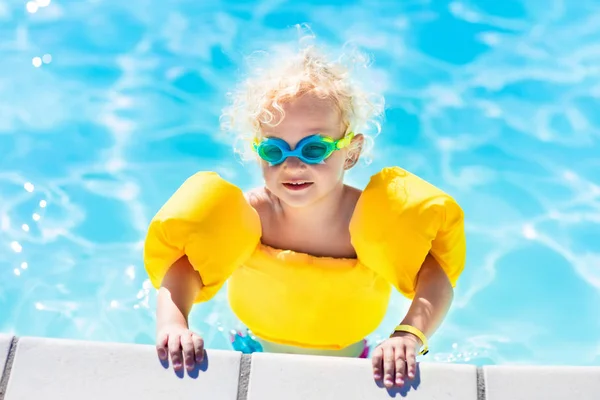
x=314 y=149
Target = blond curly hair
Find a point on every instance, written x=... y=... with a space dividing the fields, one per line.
x=285 y=74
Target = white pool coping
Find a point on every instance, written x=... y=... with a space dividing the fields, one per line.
x=53 y=369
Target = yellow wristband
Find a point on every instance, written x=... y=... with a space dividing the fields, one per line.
x=417 y=333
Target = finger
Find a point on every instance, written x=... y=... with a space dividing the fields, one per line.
x=161 y=346
x=411 y=362
x=198 y=347
x=376 y=360
x=400 y=363
x=389 y=366
x=188 y=350
x=175 y=350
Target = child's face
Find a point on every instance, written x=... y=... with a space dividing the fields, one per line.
x=305 y=116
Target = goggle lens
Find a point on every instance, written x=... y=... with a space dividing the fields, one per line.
x=315 y=151
x=270 y=152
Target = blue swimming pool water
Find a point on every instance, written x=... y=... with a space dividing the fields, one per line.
x=107 y=106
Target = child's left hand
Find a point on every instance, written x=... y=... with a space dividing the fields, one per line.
x=395 y=358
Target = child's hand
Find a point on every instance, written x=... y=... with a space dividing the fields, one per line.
x=172 y=339
x=395 y=358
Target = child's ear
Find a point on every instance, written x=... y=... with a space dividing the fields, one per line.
x=354 y=150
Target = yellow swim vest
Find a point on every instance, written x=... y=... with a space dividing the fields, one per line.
x=294 y=298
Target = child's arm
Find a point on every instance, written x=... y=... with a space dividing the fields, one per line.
x=434 y=295
x=176 y=295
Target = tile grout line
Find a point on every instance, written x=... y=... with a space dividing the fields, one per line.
x=243 y=379
x=481 y=395
x=8 y=366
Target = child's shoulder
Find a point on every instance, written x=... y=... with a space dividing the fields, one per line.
x=260 y=199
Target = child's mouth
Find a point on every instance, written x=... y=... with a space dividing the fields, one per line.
x=299 y=185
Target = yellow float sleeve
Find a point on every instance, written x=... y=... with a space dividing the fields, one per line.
x=398 y=220
x=209 y=220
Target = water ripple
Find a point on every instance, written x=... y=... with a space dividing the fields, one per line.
x=107 y=106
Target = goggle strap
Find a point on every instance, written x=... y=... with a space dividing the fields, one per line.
x=345 y=141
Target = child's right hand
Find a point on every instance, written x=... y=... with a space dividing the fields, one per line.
x=182 y=344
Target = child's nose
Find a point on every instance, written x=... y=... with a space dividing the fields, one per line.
x=293 y=163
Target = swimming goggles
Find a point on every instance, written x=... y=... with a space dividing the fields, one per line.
x=314 y=149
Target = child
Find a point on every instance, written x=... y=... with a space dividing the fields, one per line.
x=310 y=261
